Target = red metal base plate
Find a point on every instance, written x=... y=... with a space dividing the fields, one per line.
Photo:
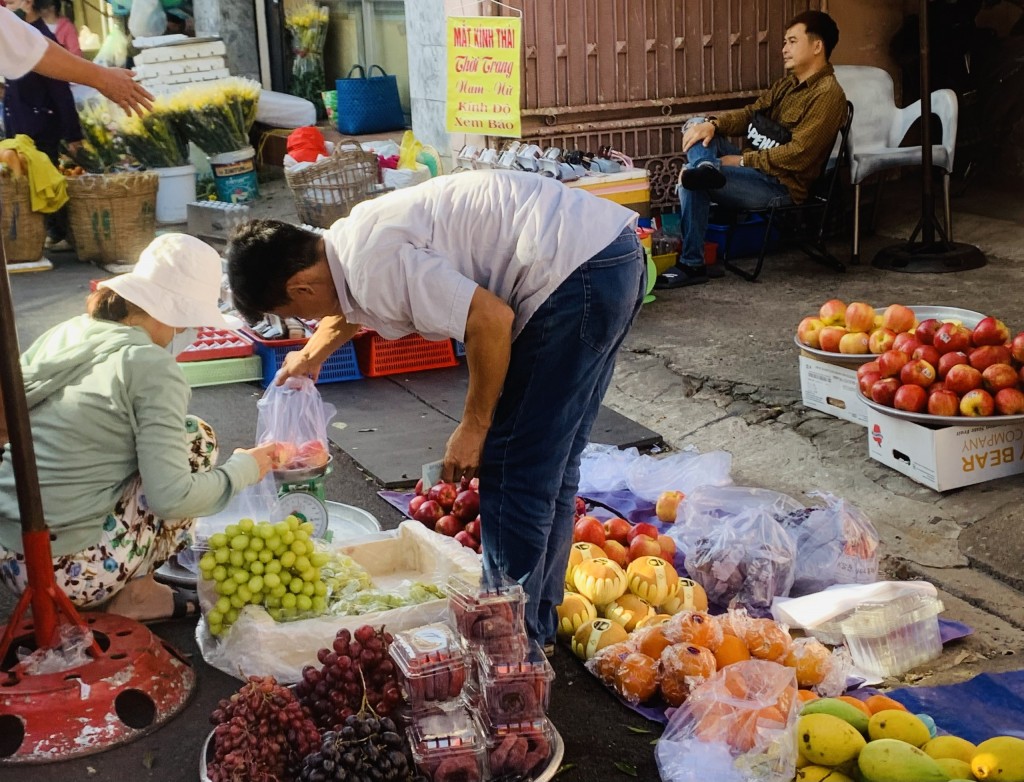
x=135 y=685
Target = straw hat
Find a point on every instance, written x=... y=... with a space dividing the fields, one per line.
x=177 y=281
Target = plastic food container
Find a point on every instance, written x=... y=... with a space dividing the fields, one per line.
x=447 y=745
x=514 y=750
x=432 y=663
x=488 y=612
x=515 y=690
x=891 y=637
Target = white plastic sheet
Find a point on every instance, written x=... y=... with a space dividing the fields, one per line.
x=607 y=468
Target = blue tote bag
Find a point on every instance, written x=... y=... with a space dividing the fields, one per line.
x=368 y=104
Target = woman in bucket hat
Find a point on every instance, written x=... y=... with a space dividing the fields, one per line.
x=123 y=470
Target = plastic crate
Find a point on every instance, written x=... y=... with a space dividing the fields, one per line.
x=212 y=344
x=748 y=234
x=459 y=348
x=341 y=365
x=222 y=371
x=411 y=353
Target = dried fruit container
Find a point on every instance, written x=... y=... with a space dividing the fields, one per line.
x=516 y=749
x=447 y=745
x=432 y=663
x=488 y=612
x=891 y=637
x=514 y=690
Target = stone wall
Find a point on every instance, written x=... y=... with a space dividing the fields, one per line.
x=234 y=21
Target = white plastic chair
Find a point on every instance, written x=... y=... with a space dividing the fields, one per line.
x=878 y=128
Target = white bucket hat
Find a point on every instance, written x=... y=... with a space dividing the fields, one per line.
x=177 y=281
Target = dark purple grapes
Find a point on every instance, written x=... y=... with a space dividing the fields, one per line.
x=364 y=747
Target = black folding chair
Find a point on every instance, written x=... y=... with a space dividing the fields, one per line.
x=793 y=220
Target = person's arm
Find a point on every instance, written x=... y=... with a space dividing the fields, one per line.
x=811 y=141
x=331 y=333
x=730 y=123
x=488 y=348
x=118 y=84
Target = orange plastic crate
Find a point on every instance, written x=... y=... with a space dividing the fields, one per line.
x=411 y=353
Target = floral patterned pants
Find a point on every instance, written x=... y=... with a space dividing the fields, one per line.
x=133 y=543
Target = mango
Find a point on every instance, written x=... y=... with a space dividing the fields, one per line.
x=901 y=725
x=1000 y=759
x=827 y=740
x=820 y=774
x=891 y=760
x=956 y=768
x=837 y=708
x=950 y=747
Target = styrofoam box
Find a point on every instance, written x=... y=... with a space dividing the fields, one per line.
x=948 y=457
x=832 y=389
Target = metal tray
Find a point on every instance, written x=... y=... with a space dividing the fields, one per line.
x=554 y=763
x=942 y=420
x=969 y=318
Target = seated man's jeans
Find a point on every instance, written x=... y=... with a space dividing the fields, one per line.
x=745 y=188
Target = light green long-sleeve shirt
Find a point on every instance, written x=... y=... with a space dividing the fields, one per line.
x=105 y=404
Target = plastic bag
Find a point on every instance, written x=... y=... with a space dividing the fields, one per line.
x=71 y=651
x=836 y=544
x=398 y=178
x=147 y=19
x=603 y=467
x=408 y=150
x=736 y=727
x=685 y=471
x=294 y=415
x=114 y=51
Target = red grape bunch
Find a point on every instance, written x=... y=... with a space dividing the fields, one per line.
x=262 y=734
x=355 y=674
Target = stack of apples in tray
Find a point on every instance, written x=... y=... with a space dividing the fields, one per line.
x=857 y=329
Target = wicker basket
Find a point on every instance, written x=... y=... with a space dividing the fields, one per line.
x=24 y=231
x=327 y=191
x=112 y=216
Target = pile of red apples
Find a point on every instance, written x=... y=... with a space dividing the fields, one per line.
x=935 y=367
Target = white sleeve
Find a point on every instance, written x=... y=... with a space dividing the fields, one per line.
x=21 y=46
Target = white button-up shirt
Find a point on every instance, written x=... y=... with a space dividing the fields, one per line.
x=410 y=261
x=21 y=46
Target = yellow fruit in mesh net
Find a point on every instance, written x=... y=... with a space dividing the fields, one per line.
x=652 y=578
x=688 y=596
x=628 y=611
x=599 y=580
x=574 y=611
x=595 y=635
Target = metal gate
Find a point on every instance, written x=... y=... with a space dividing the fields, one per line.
x=626 y=73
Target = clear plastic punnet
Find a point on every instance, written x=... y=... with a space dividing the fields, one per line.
x=517 y=749
x=488 y=612
x=891 y=637
x=514 y=690
x=447 y=745
x=432 y=663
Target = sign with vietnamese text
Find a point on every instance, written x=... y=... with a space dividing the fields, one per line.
x=484 y=75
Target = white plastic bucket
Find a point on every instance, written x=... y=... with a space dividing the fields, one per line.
x=177 y=189
x=234 y=175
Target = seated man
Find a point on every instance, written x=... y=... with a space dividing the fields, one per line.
x=791 y=129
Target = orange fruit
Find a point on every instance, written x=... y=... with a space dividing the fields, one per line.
x=806 y=695
x=606 y=661
x=694 y=627
x=811 y=659
x=766 y=640
x=877 y=703
x=857 y=702
x=683 y=665
x=731 y=650
x=652 y=641
x=637 y=677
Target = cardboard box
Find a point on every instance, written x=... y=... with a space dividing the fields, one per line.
x=832 y=389
x=948 y=457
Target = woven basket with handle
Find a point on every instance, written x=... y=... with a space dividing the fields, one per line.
x=112 y=216
x=327 y=191
x=24 y=231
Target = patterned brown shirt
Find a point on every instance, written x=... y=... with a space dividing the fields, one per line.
x=813 y=110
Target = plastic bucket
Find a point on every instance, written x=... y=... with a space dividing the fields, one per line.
x=234 y=175
x=177 y=189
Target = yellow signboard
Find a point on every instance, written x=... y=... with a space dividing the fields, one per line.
x=484 y=75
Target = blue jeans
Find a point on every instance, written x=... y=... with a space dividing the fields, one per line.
x=745 y=188
x=560 y=368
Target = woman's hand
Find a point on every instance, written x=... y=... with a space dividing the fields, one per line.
x=266 y=456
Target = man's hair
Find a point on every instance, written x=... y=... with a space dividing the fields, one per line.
x=262 y=256
x=818 y=25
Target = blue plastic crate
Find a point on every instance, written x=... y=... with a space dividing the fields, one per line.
x=459 y=347
x=746 y=238
x=341 y=365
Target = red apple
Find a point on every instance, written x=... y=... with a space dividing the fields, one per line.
x=444 y=494
x=860 y=317
x=616 y=552
x=984 y=357
x=925 y=331
x=643 y=529
x=643 y=546
x=419 y=488
x=977 y=403
x=667 y=506
x=990 y=331
x=833 y=313
x=865 y=381
x=854 y=342
x=943 y=403
x=928 y=353
x=617 y=529
x=912 y=398
x=588 y=529
x=414 y=505
x=1010 y=401
x=997 y=377
x=466 y=539
x=899 y=318
x=467 y=505
x=962 y=378
x=868 y=366
x=448 y=525
x=668 y=547
x=1017 y=348
x=938 y=385
x=829 y=338
x=949 y=360
x=906 y=342
x=918 y=373
x=891 y=362
x=809 y=331
x=884 y=391
x=473 y=528
x=881 y=340
x=951 y=337
x=429 y=512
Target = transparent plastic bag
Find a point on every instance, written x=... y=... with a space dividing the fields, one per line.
x=603 y=467
x=686 y=471
x=735 y=727
x=706 y=506
x=836 y=544
x=71 y=652
x=114 y=51
x=294 y=415
x=147 y=19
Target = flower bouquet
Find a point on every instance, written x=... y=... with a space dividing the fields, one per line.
x=308 y=27
x=216 y=116
x=153 y=140
x=103 y=149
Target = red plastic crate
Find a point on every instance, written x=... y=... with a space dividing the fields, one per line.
x=411 y=353
x=216 y=343
x=94 y=284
